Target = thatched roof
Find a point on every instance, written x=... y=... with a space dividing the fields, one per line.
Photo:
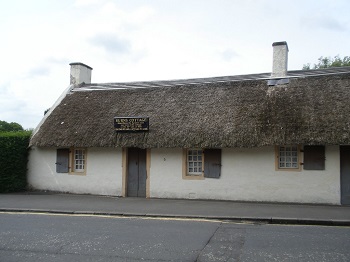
x=206 y=113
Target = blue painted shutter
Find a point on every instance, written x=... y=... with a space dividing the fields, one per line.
x=212 y=163
x=62 y=160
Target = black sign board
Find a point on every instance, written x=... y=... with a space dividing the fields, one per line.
x=131 y=124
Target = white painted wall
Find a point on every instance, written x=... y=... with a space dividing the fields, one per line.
x=280 y=59
x=103 y=172
x=80 y=73
x=247 y=175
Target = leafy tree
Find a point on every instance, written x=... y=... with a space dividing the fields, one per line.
x=9 y=127
x=326 y=62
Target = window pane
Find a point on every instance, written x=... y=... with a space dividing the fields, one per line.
x=194 y=162
x=79 y=160
x=288 y=157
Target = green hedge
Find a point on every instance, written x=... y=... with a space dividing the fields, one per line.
x=13 y=160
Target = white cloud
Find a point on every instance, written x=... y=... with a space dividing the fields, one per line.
x=229 y=54
x=111 y=43
x=84 y=3
x=324 y=22
x=146 y=40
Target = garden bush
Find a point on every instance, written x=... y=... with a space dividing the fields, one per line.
x=13 y=160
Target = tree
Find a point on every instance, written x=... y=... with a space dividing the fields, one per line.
x=8 y=127
x=326 y=62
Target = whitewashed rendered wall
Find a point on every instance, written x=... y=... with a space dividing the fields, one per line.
x=247 y=175
x=103 y=172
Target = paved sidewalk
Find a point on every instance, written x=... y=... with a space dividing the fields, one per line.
x=222 y=210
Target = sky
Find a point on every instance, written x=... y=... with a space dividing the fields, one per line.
x=134 y=40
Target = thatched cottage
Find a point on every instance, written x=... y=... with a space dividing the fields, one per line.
x=282 y=136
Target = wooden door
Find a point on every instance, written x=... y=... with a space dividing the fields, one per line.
x=137 y=173
x=345 y=174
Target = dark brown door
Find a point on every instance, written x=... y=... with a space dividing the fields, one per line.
x=345 y=174
x=137 y=172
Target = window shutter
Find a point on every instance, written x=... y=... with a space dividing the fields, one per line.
x=62 y=160
x=212 y=163
x=314 y=157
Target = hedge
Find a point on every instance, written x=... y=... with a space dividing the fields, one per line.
x=13 y=160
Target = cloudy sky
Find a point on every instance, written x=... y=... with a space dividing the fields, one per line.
x=131 y=40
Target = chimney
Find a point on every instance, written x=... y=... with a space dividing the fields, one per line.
x=280 y=59
x=80 y=73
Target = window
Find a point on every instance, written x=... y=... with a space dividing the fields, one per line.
x=314 y=157
x=287 y=158
x=71 y=161
x=201 y=163
x=79 y=160
x=194 y=162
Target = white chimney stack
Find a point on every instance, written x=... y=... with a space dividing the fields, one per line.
x=280 y=59
x=80 y=73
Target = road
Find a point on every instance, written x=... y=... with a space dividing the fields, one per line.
x=43 y=237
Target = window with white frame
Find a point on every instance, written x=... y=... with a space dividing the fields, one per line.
x=194 y=162
x=79 y=160
x=288 y=157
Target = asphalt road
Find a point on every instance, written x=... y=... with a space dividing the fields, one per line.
x=41 y=237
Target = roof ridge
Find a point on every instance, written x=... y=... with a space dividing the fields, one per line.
x=210 y=80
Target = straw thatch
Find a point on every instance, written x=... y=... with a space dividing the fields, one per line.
x=248 y=113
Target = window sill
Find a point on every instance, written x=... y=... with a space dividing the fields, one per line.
x=77 y=173
x=289 y=169
x=193 y=177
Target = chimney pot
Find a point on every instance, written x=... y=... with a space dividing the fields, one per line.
x=80 y=73
x=280 y=59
